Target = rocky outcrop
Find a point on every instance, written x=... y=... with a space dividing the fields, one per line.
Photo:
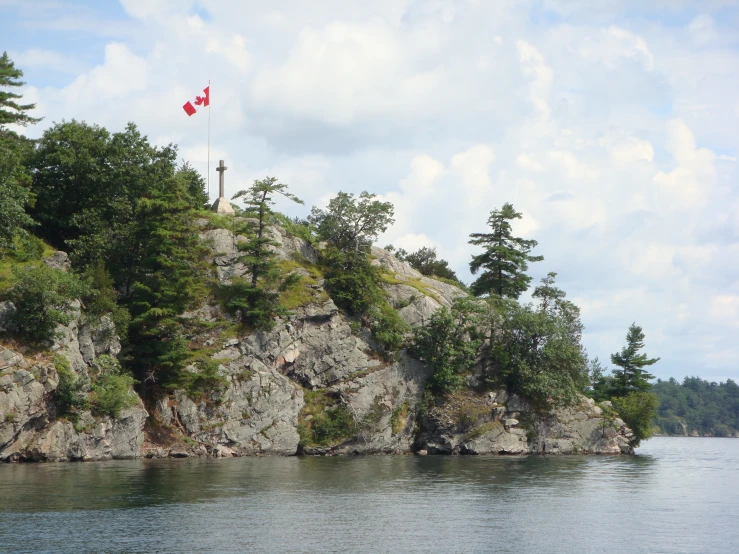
x=268 y=389
x=499 y=423
x=256 y=414
x=30 y=430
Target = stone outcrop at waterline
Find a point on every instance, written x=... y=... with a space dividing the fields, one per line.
x=277 y=384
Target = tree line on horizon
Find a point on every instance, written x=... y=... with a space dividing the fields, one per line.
x=126 y=213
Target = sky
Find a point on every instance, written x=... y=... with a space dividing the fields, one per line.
x=611 y=125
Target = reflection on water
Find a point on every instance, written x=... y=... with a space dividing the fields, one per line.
x=679 y=495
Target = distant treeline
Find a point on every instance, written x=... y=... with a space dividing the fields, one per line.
x=698 y=407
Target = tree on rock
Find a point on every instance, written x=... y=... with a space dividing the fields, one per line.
x=632 y=376
x=505 y=258
x=256 y=301
x=349 y=224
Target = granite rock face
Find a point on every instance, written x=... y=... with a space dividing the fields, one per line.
x=498 y=423
x=30 y=430
x=256 y=414
x=269 y=385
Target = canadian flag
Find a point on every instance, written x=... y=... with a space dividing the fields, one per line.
x=191 y=107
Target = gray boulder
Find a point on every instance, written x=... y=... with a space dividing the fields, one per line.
x=59 y=260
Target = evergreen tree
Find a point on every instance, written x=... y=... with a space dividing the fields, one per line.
x=505 y=259
x=632 y=376
x=194 y=185
x=259 y=199
x=256 y=302
x=14 y=179
x=11 y=112
x=166 y=278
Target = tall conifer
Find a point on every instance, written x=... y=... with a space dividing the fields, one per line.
x=505 y=258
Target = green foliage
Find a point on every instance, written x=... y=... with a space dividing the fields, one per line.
x=14 y=178
x=27 y=251
x=101 y=299
x=425 y=261
x=399 y=418
x=89 y=184
x=632 y=376
x=257 y=303
x=256 y=307
x=14 y=191
x=449 y=343
x=111 y=388
x=11 y=112
x=295 y=227
x=351 y=280
x=71 y=393
x=43 y=299
x=333 y=425
x=350 y=224
x=637 y=409
x=193 y=184
x=324 y=420
x=206 y=381
x=166 y=278
x=505 y=258
x=388 y=328
x=696 y=405
x=535 y=350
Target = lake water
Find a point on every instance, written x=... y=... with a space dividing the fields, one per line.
x=677 y=495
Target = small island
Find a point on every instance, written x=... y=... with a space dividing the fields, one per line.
x=138 y=320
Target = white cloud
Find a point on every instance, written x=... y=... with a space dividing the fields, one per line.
x=534 y=66
x=613 y=45
x=614 y=135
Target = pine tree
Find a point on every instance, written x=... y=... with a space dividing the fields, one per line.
x=11 y=112
x=166 y=276
x=505 y=258
x=259 y=199
x=632 y=376
x=256 y=301
x=14 y=179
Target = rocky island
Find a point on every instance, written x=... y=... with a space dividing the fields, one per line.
x=272 y=384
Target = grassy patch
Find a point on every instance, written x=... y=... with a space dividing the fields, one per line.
x=301 y=293
x=22 y=257
x=417 y=284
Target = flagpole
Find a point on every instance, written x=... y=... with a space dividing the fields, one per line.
x=208 y=140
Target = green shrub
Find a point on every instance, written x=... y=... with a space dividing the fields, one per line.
x=294 y=227
x=43 y=299
x=449 y=343
x=111 y=388
x=71 y=393
x=388 y=328
x=101 y=298
x=206 y=381
x=324 y=420
x=333 y=425
x=399 y=418
x=351 y=280
x=637 y=409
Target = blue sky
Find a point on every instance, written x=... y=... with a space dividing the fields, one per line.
x=613 y=125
